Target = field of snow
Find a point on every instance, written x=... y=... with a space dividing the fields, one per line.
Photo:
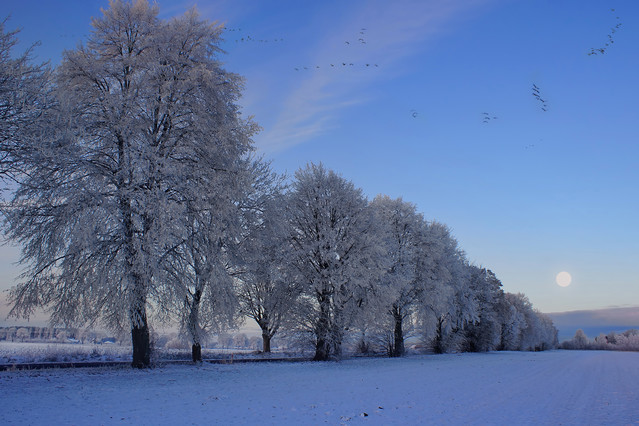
x=557 y=387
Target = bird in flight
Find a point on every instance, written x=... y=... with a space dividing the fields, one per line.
x=361 y=39
x=537 y=95
x=611 y=40
x=344 y=64
x=486 y=117
x=248 y=38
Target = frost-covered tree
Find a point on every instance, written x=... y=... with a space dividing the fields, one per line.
x=579 y=341
x=531 y=330
x=23 y=99
x=485 y=333
x=146 y=127
x=447 y=302
x=464 y=306
x=626 y=341
x=547 y=332
x=400 y=229
x=512 y=322
x=267 y=287
x=198 y=286
x=334 y=251
x=205 y=270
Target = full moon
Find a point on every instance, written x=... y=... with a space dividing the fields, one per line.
x=563 y=279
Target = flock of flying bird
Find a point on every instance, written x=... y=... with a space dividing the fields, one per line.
x=486 y=117
x=613 y=30
x=248 y=38
x=536 y=94
x=361 y=40
x=342 y=64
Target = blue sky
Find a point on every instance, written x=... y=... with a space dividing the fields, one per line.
x=527 y=194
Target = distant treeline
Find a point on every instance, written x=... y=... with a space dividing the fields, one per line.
x=626 y=341
x=53 y=335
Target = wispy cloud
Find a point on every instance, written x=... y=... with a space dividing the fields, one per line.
x=377 y=38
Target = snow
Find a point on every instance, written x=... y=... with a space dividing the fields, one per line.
x=557 y=387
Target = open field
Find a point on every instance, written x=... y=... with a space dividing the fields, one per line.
x=558 y=387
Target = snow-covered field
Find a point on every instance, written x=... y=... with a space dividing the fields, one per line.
x=511 y=388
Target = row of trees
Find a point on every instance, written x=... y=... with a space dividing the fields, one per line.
x=626 y=341
x=50 y=334
x=137 y=196
x=332 y=266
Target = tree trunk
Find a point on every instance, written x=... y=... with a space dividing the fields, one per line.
x=438 y=344
x=266 y=342
x=322 y=330
x=398 y=347
x=336 y=333
x=267 y=332
x=322 y=345
x=140 y=336
x=335 y=343
x=196 y=352
x=321 y=350
x=193 y=325
x=141 y=343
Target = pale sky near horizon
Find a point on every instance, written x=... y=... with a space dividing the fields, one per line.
x=528 y=193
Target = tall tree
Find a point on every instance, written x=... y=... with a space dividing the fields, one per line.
x=446 y=303
x=197 y=284
x=401 y=227
x=512 y=323
x=484 y=334
x=531 y=329
x=268 y=288
x=333 y=249
x=146 y=127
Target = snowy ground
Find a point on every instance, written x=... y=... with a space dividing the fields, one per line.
x=559 y=387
